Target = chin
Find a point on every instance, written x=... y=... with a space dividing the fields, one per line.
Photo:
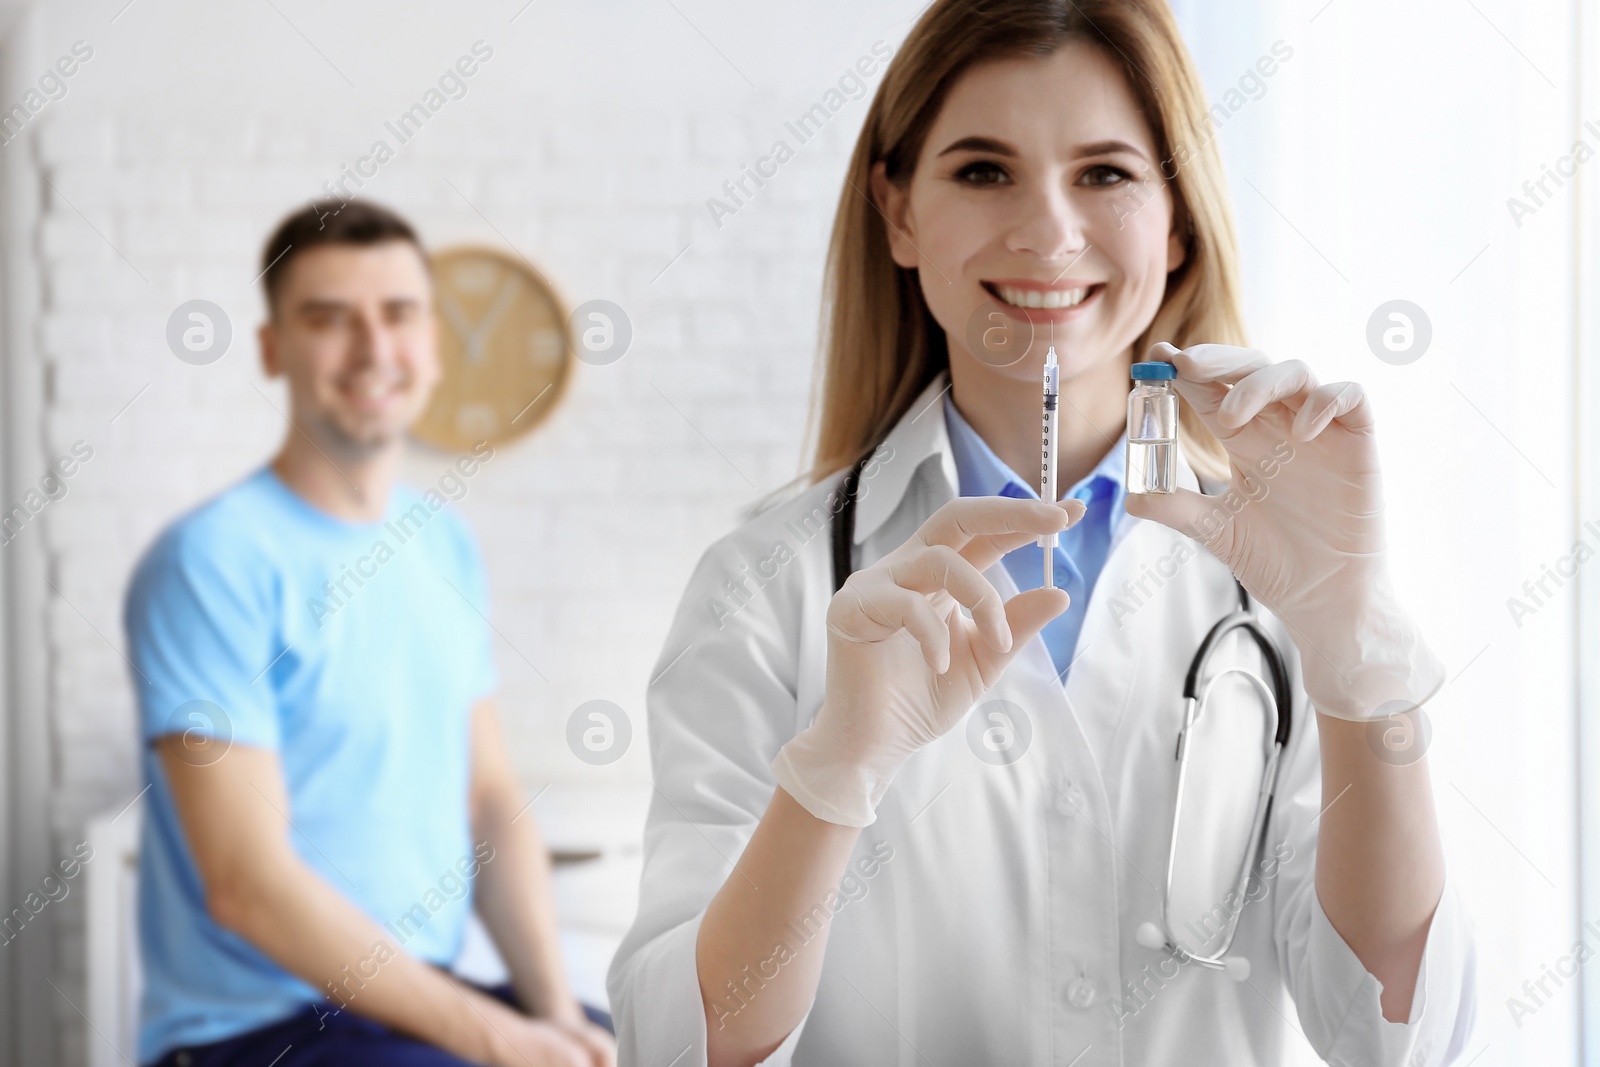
x=370 y=435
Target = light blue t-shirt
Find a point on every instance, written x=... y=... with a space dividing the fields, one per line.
x=1080 y=552
x=355 y=651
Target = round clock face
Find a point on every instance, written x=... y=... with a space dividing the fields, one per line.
x=503 y=350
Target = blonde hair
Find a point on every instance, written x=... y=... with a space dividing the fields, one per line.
x=880 y=344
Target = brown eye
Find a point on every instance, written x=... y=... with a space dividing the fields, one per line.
x=981 y=173
x=1104 y=175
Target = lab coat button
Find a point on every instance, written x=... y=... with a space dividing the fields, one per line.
x=1069 y=801
x=1080 y=993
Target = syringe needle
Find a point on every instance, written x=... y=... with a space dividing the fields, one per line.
x=1047 y=466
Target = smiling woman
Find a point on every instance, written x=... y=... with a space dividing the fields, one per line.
x=1013 y=155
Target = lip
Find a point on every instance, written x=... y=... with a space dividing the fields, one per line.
x=1045 y=315
x=358 y=398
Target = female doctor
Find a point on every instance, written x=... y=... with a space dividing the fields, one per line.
x=833 y=873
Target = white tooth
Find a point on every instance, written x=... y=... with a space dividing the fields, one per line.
x=1035 y=298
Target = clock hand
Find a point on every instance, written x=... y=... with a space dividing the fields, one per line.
x=473 y=336
x=458 y=321
x=502 y=301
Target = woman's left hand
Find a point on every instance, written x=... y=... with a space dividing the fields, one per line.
x=1301 y=523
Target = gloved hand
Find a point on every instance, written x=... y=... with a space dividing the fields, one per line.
x=1308 y=540
x=904 y=663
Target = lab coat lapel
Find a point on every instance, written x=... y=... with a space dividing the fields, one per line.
x=1115 y=630
x=1031 y=683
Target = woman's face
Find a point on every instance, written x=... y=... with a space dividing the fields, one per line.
x=1037 y=210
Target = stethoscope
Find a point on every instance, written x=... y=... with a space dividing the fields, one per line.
x=1276 y=700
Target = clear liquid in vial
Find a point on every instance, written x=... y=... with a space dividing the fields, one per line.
x=1151 y=463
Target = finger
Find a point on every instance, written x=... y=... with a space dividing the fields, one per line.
x=876 y=609
x=1026 y=614
x=1192 y=514
x=1342 y=402
x=568 y=1050
x=602 y=1050
x=984 y=552
x=1289 y=382
x=940 y=568
x=1206 y=372
x=961 y=520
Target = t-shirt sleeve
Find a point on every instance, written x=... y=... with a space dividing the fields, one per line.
x=201 y=622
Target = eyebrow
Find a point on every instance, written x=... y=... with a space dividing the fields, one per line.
x=1001 y=148
x=315 y=304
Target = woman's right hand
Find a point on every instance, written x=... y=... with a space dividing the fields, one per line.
x=904 y=663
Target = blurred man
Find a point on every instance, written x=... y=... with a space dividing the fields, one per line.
x=329 y=790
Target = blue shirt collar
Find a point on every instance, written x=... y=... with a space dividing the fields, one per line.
x=982 y=473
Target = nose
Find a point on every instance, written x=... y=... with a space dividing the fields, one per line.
x=370 y=341
x=1050 y=226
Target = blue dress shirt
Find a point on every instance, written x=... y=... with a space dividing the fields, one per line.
x=1080 y=552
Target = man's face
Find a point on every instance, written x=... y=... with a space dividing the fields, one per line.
x=353 y=331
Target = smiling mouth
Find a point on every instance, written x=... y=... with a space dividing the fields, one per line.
x=366 y=394
x=1044 y=299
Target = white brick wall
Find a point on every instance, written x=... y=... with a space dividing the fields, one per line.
x=592 y=141
x=589 y=527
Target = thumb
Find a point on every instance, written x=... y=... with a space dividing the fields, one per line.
x=1190 y=513
x=1026 y=614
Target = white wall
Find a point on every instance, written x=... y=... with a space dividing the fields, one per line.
x=1382 y=151
x=590 y=142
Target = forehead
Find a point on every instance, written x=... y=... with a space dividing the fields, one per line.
x=353 y=272
x=1046 y=104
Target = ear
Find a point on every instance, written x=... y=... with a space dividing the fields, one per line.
x=895 y=203
x=1177 y=248
x=267 y=339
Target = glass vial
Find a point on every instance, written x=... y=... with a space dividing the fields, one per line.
x=1152 y=429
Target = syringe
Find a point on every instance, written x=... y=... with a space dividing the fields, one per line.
x=1047 y=467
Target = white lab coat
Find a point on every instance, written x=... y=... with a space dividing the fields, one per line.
x=1000 y=929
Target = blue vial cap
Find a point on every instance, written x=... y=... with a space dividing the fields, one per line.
x=1154 y=369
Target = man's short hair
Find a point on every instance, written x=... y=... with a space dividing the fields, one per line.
x=327 y=222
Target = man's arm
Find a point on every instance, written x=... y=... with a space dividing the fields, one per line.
x=236 y=818
x=512 y=891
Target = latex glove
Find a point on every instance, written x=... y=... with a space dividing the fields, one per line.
x=904 y=663
x=1308 y=541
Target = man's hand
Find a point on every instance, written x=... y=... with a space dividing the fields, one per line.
x=599 y=1044
x=525 y=1042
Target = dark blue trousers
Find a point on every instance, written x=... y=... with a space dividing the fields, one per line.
x=322 y=1036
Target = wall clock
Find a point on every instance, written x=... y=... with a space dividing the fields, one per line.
x=503 y=349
